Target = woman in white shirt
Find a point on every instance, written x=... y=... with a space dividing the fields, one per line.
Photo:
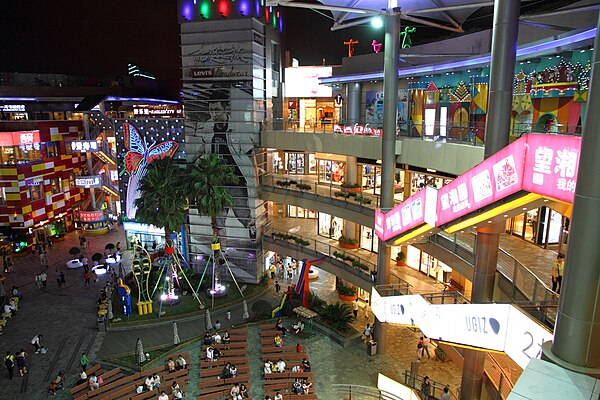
x=163 y=396
x=209 y=354
x=268 y=367
x=149 y=382
x=156 y=379
x=280 y=365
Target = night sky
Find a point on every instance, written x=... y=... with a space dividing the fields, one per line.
x=99 y=38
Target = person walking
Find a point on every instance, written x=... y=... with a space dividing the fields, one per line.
x=9 y=363
x=84 y=361
x=367 y=309
x=38 y=280
x=426 y=343
x=43 y=279
x=277 y=287
x=420 y=348
x=557 y=273
x=57 y=273
x=44 y=259
x=20 y=359
x=86 y=278
x=425 y=388
x=355 y=309
x=62 y=278
x=446 y=394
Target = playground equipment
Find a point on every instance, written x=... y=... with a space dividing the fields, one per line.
x=124 y=292
x=300 y=290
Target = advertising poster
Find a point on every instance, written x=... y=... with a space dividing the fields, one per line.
x=374 y=108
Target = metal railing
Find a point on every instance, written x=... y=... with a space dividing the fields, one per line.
x=358 y=392
x=450 y=132
x=330 y=194
x=495 y=373
x=437 y=389
x=525 y=285
x=336 y=255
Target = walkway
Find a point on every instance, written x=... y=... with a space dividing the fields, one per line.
x=65 y=316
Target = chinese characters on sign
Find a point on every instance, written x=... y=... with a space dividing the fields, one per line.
x=12 y=107
x=91 y=216
x=542 y=164
x=163 y=110
x=84 y=146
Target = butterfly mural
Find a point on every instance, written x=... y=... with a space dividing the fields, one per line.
x=137 y=158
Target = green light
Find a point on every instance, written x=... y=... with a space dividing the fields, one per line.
x=205 y=9
x=274 y=21
x=377 y=22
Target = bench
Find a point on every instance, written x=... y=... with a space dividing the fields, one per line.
x=270 y=341
x=284 y=356
x=216 y=385
x=281 y=386
x=208 y=372
x=227 y=354
x=270 y=333
x=152 y=394
x=237 y=331
x=275 y=349
x=288 y=375
x=78 y=388
x=127 y=387
x=223 y=346
x=220 y=363
x=288 y=395
x=218 y=394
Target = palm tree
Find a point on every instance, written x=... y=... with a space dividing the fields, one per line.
x=209 y=176
x=163 y=197
x=163 y=202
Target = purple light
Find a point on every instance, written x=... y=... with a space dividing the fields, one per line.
x=144 y=99
x=244 y=7
x=471 y=62
x=188 y=11
x=257 y=8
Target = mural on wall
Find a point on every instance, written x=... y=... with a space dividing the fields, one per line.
x=139 y=142
x=374 y=109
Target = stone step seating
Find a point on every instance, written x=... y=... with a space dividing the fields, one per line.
x=223 y=346
x=221 y=394
x=282 y=381
x=4 y=317
x=76 y=390
x=211 y=386
x=124 y=388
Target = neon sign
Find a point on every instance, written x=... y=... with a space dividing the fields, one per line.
x=406 y=40
x=350 y=43
x=91 y=216
x=87 y=182
x=84 y=146
x=376 y=46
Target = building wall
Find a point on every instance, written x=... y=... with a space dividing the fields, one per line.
x=228 y=91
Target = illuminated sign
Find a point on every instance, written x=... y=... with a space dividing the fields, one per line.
x=161 y=110
x=500 y=327
x=84 y=146
x=19 y=138
x=394 y=388
x=87 y=182
x=91 y=216
x=12 y=107
x=218 y=72
x=542 y=164
x=143 y=228
x=304 y=82
x=357 y=129
x=418 y=209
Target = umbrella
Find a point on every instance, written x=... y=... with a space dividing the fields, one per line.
x=245 y=305
x=139 y=352
x=110 y=310
x=207 y=320
x=176 y=340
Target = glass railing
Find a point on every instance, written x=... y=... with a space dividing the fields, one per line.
x=452 y=132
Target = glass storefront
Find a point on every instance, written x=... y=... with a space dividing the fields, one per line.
x=368 y=240
x=419 y=181
x=425 y=263
x=541 y=226
x=330 y=226
x=331 y=171
x=299 y=212
x=294 y=163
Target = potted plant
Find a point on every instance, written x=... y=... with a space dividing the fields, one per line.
x=401 y=259
x=338 y=316
x=441 y=354
x=346 y=293
x=350 y=187
x=347 y=243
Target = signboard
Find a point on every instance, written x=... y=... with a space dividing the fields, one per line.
x=87 y=182
x=91 y=216
x=525 y=337
x=408 y=310
x=493 y=179
x=395 y=388
x=229 y=72
x=84 y=146
x=304 y=82
x=551 y=166
x=19 y=138
x=143 y=228
x=158 y=110
x=357 y=129
x=418 y=209
x=12 y=107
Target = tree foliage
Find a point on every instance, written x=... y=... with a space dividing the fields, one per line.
x=338 y=316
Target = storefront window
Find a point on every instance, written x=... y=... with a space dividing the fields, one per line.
x=331 y=171
x=55 y=185
x=72 y=181
x=36 y=191
x=330 y=226
x=2 y=196
x=299 y=212
x=368 y=240
x=52 y=149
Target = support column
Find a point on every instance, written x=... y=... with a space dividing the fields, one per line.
x=88 y=155
x=497 y=129
x=353 y=101
x=388 y=151
x=407 y=182
x=351 y=176
x=576 y=344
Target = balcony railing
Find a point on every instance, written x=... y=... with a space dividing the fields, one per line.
x=452 y=132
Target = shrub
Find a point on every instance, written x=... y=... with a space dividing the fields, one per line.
x=440 y=354
x=303 y=186
x=362 y=200
x=338 y=316
x=284 y=183
x=262 y=309
x=359 y=265
x=289 y=305
x=345 y=290
x=341 y=194
x=316 y=303
x=350 y=185
x=401 y=257
x=344 y=240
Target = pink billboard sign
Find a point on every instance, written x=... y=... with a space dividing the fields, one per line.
x=551 y=166
x=493 y=179
x=414 y=211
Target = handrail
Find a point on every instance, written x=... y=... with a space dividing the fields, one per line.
x=359 y=265
x=363 y=391
x=497 y=376
x=415 y=380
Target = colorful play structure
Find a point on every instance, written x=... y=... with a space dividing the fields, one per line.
x=300 y=290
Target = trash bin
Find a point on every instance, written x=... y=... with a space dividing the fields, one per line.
x=101 y=324
x=372 y=347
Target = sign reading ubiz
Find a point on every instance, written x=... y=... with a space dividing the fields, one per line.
x=87 y=182
x=542 y=164
x=500 y=327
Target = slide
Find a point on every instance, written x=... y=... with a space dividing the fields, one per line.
x=277 y=311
